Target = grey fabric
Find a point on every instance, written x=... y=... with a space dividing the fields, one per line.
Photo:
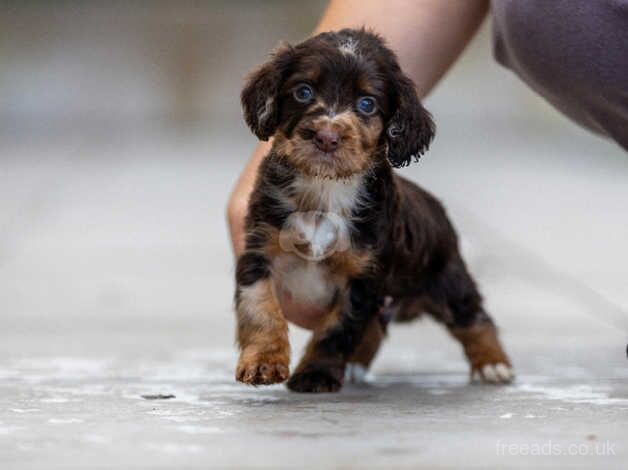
x=574 y=53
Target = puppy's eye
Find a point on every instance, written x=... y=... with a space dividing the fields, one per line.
x=303 y=93
x=367 y=105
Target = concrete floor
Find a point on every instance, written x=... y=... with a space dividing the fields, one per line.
x=116 y=282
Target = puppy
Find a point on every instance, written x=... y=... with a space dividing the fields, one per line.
x=331 y=227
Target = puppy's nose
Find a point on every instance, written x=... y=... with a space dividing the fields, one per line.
x=326 y=140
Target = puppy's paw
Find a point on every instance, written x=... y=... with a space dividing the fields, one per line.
x=315 y=380
x=488 y=360
x=262 y=369
x=356 y=373
x=493 y=373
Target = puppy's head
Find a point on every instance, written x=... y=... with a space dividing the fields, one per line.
x=337 y=102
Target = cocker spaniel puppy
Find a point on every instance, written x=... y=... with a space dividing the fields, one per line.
x=332 y=228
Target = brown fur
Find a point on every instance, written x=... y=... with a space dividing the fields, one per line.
x=368 y=347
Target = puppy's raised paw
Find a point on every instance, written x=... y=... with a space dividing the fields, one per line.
x=262 y=369
x=314 y=381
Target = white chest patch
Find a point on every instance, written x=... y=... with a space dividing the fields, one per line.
x=321 y=225
x=327 y=195
x=318 y=227
x=314 y=235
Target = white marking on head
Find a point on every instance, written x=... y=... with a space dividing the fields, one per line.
x=348 y=46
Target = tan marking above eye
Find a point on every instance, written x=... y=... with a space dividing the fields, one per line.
x=309 y=71
x=365 y=87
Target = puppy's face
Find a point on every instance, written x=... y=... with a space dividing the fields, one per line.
x=336 y=103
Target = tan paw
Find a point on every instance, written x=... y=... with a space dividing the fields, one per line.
x=489 y=363
x=499 y=373
x=262 y=369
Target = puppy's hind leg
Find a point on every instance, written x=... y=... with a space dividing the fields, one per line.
x=360 y=361
x=462 y=311
x=487 y=358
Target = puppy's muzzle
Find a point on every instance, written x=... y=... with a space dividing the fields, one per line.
x=326 y=140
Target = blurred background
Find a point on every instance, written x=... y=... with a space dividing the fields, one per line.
x=121 y=136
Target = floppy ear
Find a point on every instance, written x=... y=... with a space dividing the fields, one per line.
x=411 y=129
x=260 y=95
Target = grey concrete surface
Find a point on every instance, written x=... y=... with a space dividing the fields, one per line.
x=116 y=273
x=115 y=280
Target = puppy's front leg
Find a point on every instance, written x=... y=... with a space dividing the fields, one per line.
x=323 y=365
x=262 y=329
